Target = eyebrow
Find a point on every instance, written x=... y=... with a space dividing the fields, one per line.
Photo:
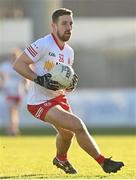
x=71 y=22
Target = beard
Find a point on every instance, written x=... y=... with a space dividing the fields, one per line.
x=65 y=37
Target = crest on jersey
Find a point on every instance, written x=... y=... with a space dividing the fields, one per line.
x=48 y=65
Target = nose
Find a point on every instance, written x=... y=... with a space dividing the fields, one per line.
x=69 y=27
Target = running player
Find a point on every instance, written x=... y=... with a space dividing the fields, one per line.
x=49 y=104
x=13 y=86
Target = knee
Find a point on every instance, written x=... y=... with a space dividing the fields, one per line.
x=66 y=135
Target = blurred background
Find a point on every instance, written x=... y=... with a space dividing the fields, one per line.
x=104 y=40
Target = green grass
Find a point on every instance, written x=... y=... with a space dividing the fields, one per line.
x=95 y=131
x=30 y=157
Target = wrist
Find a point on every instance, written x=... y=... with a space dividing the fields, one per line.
x=38 y=80
x=34 y=77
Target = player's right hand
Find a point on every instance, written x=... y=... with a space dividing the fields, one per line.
x=46 y=82
x=73 y=85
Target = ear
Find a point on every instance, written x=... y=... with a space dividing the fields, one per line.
x=54 y=27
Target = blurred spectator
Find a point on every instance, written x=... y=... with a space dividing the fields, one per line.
x=13 y=86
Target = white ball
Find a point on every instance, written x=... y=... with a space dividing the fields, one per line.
x=63 y=74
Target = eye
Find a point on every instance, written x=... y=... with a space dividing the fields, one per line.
x=71 y=23
x=64 y=23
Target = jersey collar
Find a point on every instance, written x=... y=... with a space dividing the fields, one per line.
x=56 y=41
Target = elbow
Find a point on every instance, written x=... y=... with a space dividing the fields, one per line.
x=15 y=66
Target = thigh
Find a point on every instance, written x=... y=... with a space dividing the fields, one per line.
x=61 y=118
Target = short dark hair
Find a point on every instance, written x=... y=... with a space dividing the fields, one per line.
x=60 y=12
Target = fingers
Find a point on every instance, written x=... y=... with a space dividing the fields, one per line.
x=53 y=88
x=53 y=85
x=48 y=75
x=75 y=78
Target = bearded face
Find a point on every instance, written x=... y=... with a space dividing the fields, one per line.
x=65 y=36
x=63 y=27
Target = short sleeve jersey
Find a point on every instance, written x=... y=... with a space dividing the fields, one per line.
x=46 y=52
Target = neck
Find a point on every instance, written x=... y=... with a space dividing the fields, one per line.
x=58 y=41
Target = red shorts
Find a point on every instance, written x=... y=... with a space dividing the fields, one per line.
x=14 y=99
x=39 y=111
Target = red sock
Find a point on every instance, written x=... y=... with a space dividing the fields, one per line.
x=100 y=159
x=62 y=157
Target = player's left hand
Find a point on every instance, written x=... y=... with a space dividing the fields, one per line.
x=74 y=83
x=46 y=82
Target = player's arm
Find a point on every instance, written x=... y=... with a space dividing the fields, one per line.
x=22 y=66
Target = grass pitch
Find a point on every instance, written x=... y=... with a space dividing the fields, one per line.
x=30 y=157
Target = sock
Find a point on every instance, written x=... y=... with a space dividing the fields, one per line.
x=100 y=159
x=62 y=157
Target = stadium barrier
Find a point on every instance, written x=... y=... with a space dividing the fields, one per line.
x=97 y=108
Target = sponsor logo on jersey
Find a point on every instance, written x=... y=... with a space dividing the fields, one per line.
x=52 y=54
x=36 y=46
x=48 y=65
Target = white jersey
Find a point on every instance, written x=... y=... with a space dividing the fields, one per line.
x=45 y=52
x=13 y=85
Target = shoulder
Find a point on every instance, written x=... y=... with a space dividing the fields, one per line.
x=43 y=40
x=47 y=38
x=38 y=47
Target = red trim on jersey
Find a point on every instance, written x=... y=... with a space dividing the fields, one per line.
x=56 y=41
x=32 y=51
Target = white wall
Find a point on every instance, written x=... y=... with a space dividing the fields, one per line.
x=97 y=32
x=105 y=108
x=14 y=33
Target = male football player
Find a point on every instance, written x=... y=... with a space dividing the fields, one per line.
x=47 y=103
x=13 y=86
